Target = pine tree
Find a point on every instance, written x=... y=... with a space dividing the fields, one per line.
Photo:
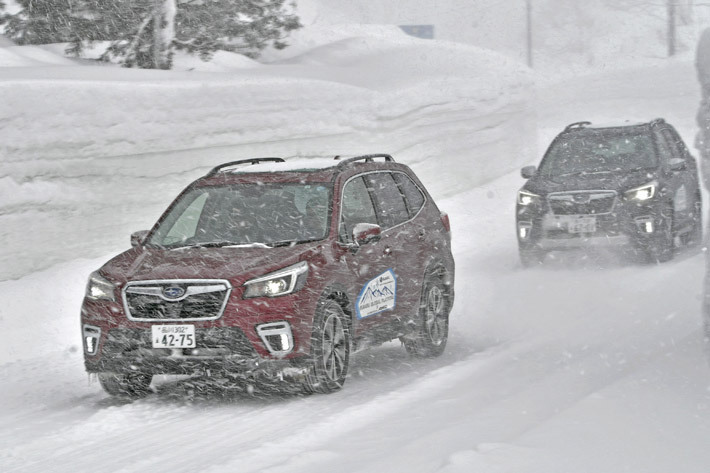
x=197 y=26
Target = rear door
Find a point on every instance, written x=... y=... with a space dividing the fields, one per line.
x=404 y=236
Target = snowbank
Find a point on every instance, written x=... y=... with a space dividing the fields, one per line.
x=86 y=135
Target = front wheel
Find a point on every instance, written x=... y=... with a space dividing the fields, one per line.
x=432 y=332
x=531 y=257
x=330 y=350
x=131 y=384
x=662 y=245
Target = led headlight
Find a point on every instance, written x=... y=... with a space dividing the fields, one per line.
x=98 y=288
x=641 y=193
x=279 y=283
x=527 y=198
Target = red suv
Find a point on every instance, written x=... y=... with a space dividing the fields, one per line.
x=275 y=271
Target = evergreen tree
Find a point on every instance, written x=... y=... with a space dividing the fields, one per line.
x=197 y=26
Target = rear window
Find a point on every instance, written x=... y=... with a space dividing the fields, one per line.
x=413 y=195
x=391 y=207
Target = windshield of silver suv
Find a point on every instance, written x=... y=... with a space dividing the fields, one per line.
x=246 y=214
x=596 y=152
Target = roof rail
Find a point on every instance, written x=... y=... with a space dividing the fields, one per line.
x=577 y=125
x=368 y=158
x=251 y=161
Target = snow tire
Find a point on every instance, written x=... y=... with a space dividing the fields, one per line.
x=432 y=325
x=330 y=349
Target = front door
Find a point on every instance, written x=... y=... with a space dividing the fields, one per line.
x=371 y=269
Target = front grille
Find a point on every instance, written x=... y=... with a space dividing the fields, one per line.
x=176 y=300
x=582 y=202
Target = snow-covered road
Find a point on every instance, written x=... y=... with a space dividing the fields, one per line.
x=590 y=364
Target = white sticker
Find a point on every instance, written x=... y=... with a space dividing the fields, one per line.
x=378 y=295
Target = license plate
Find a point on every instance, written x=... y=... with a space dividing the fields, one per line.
x=173 y=336
x=582 y=225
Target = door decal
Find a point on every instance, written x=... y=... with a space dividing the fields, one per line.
x=378 y=295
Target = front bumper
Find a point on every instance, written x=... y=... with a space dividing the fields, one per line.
x=218 y=350
x=628 y=224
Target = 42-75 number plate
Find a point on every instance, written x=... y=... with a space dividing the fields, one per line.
x=173 y=336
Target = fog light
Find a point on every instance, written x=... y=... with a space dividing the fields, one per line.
x=91 y=339
x=277 y=337
x=524 y=229
x=645 y=224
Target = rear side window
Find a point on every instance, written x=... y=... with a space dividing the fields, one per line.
x=413 y=195
x=391 y=208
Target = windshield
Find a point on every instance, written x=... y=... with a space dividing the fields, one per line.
x=246 y=214
x=598 y=152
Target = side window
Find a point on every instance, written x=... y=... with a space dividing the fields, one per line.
x=357 y=208
x=413 y=195
x=673 y=143
x=389 y=200
x=664 y=149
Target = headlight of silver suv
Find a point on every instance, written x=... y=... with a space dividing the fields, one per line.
x=99 y=288
x=641 y=193
x=279 y=283
x=527 y=198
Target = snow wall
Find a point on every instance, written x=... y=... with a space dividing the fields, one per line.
x=89 y=154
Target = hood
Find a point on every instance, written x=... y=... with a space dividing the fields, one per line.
x=234 y=264
x=616 y=181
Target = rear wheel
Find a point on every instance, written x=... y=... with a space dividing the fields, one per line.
x=432 y=332
x=695 y=236
x=661 y=246
x=131 y=384
x=330 y=350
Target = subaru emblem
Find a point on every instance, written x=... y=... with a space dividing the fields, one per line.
x=173 y=292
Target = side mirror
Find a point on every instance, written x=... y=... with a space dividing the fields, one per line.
x=138 y=237
x=677 y=164
x=528 y=171
x=364 y=233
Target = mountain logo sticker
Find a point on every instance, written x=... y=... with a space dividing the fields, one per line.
x=378 y=295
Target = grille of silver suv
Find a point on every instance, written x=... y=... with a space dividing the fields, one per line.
x=597 y=202
x=176 y=299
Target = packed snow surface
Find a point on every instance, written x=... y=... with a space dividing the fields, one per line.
x=589 y=364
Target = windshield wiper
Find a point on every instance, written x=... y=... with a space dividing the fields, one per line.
x=276 y=244
x=219 y=244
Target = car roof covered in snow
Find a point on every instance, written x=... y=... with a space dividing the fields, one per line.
x=306 y=169
x=610 y=124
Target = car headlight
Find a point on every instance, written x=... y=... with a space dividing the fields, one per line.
x=641 y=193
x=279 y=283
x=527 y=198
x=99 y=288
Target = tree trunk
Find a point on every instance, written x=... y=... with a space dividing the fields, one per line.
x=163 y=32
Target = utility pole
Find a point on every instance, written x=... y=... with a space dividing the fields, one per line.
x=528 y=20
x=670 y=6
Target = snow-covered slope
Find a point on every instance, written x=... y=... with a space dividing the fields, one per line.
x=80 y=145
